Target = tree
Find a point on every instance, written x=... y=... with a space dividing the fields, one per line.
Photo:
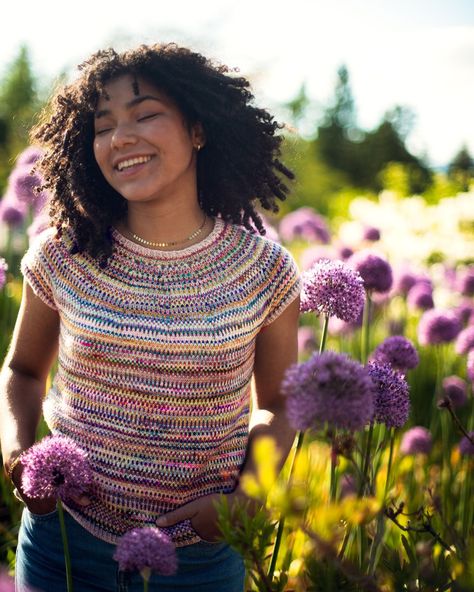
x=461 y=168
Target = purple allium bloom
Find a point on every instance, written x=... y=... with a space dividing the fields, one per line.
x=397 y=351
x=7 y=584
x=12 y=212
x=417 y=440
x=371 y=234
x=420 y=297
x=403 y=281
x=304 y=223
x=314 y=254
x=465 y=311
x=465 y=340
x=29 y=156
x=145 y=550
x=23 y=183
x=456 y=389
x=56 y=467
x=329 y=387
x=375 y=271
x=391 y=401
x=438 y=326
x=40 y=223
x=332 y=288
x=3 y=272
x=345 y=253
x=306 y=340
x=466 y=447
x=465 y=282
x=470 y=366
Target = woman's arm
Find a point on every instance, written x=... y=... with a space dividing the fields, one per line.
x=276 y=350
x=23 y=379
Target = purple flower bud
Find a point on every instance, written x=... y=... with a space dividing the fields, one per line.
x=3 y=272
x=438 y=326
x=465 y=282
x=403 y=281
x=330 y=388
x=375 y=271
x=12 y=212
x=55 y=467
x=391 y=401
x=399 y=352
x=464 y=311
x=345 y=253
x=29 y=156
x=456 y=389
x=420 y=297
x=147 y=550
x=417 y=440
x=466 y=447
x=371 y=234
x=332 y=288
x=465 y=340
x=23 y=184
x=304 y=223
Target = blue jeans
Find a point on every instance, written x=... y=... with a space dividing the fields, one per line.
x=203 y=567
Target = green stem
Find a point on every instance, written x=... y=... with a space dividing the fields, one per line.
x=67 y=556
x=365 y=344
x=145 y=585
x=366 y=461
x=322 y=343
x=281 y=524
x=390 y=460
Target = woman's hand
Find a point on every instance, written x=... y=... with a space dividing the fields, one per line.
x=40 y=505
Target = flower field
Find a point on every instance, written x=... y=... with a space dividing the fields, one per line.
x=377 y=493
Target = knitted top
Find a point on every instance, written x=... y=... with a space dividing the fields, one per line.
x=156 y=356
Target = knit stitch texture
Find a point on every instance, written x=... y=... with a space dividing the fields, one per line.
x=155 y=360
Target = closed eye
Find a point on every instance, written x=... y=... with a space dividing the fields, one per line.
x=100 y=132
x=150 y=116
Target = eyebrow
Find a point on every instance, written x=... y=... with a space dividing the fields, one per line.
x=129 y=105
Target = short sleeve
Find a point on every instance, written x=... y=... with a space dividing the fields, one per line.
x=287 y=285
x=36 y=267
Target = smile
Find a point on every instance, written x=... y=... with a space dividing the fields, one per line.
x=125 y=164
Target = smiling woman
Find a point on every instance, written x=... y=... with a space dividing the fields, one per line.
x=163 y=307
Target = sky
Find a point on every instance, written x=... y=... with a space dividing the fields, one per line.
x=414 y=53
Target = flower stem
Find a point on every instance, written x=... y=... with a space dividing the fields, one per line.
x=281 y=524
x=145 y=585
x=67 y=556
x=365 y=344
x=322 y=343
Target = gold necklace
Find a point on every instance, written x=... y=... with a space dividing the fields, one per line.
x=172 y=243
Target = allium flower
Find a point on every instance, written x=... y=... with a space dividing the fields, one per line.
x=465 y=282
x=397 y=351
x=375 y=271
x=333 y=289
x=12 y=213
x=391 y=401
x=304 y=223
x=345 y=253
x=465 y=340
x=7 y=584
x=55 y=467
x=145 y=550
x=466 y=447
x=329 y=387
x=23 y=183
x=420 y=297
x=403 y=281
x=456 y=389
x=306 y=340
x=438 y=326
x=465 y=311
x=470 y=365
x=417 y=440
x=29 y=156
x=371 y=233
x=3 y=272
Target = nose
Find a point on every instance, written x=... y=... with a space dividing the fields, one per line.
x=123 y=134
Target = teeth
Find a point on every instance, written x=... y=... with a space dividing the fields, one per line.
x=132 y=161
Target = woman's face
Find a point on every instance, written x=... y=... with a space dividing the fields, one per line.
x=142 y=143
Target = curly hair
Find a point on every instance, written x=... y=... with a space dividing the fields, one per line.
x=238 y=167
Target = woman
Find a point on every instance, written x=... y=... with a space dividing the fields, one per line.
x=162 y=307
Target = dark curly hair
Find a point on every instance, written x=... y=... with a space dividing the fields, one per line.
x=238 y=166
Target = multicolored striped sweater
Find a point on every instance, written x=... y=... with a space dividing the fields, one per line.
x=155 y=361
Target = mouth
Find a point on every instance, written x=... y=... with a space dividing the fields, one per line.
x=131 y=163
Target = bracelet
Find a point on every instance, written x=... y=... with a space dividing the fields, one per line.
x=12 y=466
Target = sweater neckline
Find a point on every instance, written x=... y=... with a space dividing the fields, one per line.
x=130 y=245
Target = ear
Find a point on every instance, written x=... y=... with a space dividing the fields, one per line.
x=198 y=136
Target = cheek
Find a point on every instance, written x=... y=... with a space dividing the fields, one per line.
x=99 y=154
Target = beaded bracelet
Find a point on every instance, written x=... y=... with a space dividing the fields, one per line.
x=12 y=466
